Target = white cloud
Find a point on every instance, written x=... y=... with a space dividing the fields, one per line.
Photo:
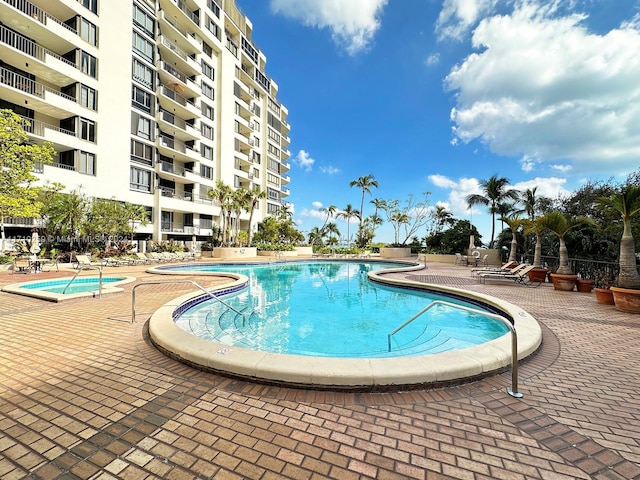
x=311 y=213
x=562 y=168
x=458 y=17
x=329 y=170
x=432 y=59
x=459 y=190
x=441 y=181
x=304 y=161
x=549 y=187
x=542 y=86
x=316 y=204
x=352 y=23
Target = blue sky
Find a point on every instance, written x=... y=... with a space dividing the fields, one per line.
x=435 y=96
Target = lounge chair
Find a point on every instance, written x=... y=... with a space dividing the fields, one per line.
x=508 y=271
x=142 y=258
x=155 y=257
x=85 y=261
x=521 y=277
x=503 y=268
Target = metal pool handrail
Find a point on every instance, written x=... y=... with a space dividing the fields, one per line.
x=513 y=391
x=86 y=267
x=133 y=296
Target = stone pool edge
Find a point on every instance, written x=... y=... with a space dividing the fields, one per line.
x=356 y=374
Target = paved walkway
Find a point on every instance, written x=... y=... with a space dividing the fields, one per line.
x=83 y=395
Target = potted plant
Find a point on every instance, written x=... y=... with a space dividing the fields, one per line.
x=627 y=203
x=538 y=273
x=563 y=279
x=584 y=284
x=602 y=283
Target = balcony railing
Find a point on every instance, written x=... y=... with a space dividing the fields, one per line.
x=28 y=47
x=171 y=168
x=37 y=128
x=174 y=144
x=15 y=80
x=37 y=13
x=193 y=16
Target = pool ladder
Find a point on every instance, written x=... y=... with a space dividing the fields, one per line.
x=513 y=391
x=133 y=296
x=86 y=267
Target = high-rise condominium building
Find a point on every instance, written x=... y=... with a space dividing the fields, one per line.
x=149 y=102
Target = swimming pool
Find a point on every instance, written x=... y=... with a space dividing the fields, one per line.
x=79 y=287
x=332 y=309
x=368 y=372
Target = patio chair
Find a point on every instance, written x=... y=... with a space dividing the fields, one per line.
x=503 y=268
x=521 y=277
x=21 y=265
x=509 y=271
x=142 y=258
x=85 y=261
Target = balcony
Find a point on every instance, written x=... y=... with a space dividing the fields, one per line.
x=178 y=80
x=181 y=150
x=40 y=25
x=181 y=129
x=173 y=54
x=183 y=37
x=19 y=49
x=170 y=99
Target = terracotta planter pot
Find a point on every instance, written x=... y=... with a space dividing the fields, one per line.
x=564 y=283
x=584 y=285
x=626 y=299
x=604 y=296
x=538 y=274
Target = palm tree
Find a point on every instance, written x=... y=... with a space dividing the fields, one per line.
x=348 y=213
x=364 y=183
x=560 y=225
x=135 y=213
x=495 y=193
x=514 y=222
x=67 y=214
x=443 y=217
x=627 y=203
x=536 y=227
x=221 y=194
x=240 y=200
x=530 y=202
x=256 y=196
x=331 y=231
x=331 y=212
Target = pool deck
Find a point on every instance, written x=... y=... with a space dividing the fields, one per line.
x=83 y=395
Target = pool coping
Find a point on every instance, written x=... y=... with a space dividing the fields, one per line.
x=111 y=288
x=356 y=374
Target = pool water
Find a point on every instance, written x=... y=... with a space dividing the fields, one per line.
x=79 y=285
x=332 y=309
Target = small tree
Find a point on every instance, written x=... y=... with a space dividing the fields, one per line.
x=627 y=203
x=514 y=222
x=18 y=158
x=560 y=225
x=135 y=214
x=536 y=227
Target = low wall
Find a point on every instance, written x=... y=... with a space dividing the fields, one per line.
x=394 y=252
x=234 y=252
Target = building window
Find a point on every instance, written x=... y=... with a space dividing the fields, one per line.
x=142 y=46
x=141 y=126
x=206 y=172
x=213 y=6
x=207 y=70
x=143 y=20
x=206 y=151
x=140 y=180
x=256 y=126
x=212 y=27
x=88 y=97
x=207 y=131
x=143 y=73
x=206 y=48
x=273 y=194
x=141 y=152
x=87 y=163
x=207 y=90
x=88 y=64
x=90 y=4
x=141 y=99
x=87 y=130
x=207 y=110
x=271 y=133
x=88 y=32
x=273 y=150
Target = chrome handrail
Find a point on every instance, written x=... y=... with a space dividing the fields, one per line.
x=86 y=267
x=133 y=296
x=513 y=391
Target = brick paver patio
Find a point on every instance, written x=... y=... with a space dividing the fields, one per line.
x=83 y=395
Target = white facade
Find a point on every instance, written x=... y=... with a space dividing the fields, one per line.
x=149 y=102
